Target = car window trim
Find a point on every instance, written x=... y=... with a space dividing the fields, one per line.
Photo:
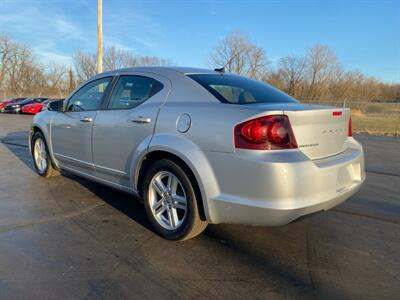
x=83 y=86
x=106 y=107
x=223 y=100
x=108 y=92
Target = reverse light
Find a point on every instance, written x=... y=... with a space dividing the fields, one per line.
x=265 y=133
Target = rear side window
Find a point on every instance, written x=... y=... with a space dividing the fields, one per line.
x=240 y=90
x=131 y=90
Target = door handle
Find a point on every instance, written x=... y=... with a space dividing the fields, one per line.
x=87 y=120
x=141 y=120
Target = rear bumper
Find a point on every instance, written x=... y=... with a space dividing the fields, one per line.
x=276 y=189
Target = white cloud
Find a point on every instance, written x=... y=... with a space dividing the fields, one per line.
x=53 y=33
x=51 y=37
x=49 y=57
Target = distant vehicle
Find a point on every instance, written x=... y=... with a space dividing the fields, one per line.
x=15 y=107
x=34 y=108
x=201 y=147
x=6 y=102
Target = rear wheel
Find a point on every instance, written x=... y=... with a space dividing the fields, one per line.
x=41 y=157
x=171 y=201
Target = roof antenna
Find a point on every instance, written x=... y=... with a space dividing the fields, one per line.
x=220 y=70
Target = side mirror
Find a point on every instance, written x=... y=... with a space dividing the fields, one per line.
x=56 y=105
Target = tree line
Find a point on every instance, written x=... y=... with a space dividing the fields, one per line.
x=316 y=74
x=22 y=75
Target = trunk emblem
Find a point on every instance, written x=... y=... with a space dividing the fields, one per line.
x=309 y=145
x=333 y=130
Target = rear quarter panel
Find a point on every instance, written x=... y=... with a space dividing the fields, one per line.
x=212 y=124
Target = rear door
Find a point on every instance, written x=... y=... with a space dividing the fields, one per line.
x=71 y=131
x=127 y=122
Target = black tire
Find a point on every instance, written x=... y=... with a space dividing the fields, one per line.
x=49 y=171
x=192 y=225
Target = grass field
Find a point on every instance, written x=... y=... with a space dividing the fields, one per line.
x=377 y=124
x=377 y=118
x=373 y=118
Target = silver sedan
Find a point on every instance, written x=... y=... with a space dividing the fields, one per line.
x=201 y=146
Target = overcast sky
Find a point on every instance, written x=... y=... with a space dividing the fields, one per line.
x=364 y=34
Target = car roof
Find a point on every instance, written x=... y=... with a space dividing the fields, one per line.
x=161 y=70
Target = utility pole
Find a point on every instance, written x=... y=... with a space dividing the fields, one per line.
x=99 y=36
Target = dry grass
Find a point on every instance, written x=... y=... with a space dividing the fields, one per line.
x=372 y=117
x=377 y=124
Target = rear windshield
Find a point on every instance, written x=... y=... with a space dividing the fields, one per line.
x=240 y=90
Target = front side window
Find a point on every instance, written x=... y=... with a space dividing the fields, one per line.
x=240 y=90
x=89 y=97
x=132 y=90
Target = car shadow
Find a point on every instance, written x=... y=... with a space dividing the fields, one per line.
x=125 y=203
x=17 y=143
x=229 y=238
x=234 y=239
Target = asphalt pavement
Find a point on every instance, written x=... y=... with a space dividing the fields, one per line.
x=70 y=238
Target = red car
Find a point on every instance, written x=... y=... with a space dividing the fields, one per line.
x=4 y=103
x=33 y=108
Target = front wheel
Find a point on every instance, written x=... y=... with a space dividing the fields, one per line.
x=171 y=201
x=41 y=156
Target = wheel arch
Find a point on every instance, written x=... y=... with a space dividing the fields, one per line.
x=187 y=155
x=157 y=155
x=37 y=128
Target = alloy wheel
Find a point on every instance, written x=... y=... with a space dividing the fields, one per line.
x=40 y=155
x=167 y=199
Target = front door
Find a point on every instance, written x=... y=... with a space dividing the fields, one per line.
x=126 y=123
x=71 y=131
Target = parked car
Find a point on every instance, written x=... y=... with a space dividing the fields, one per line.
x=201 y=146
x=16 y=107
x=6 y=102
x=34 y=108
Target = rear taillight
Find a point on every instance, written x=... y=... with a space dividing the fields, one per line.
x=350 y=132
x=265 y=133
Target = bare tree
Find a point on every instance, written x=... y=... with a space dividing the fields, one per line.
x=71 y=80
x=85 y=65
x=151 y=61
x=237 y=54
x=292 y=70
x=21 y=69
x=316 y=74
x=5 y=52
x=114 y=58
x=56 y=78
x=321 y=64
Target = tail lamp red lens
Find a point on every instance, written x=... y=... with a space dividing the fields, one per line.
x=350 y=132
x=265 y=133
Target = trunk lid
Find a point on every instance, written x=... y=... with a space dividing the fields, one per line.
x=320 y=131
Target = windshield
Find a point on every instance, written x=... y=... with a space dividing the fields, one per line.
x=240 y=90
